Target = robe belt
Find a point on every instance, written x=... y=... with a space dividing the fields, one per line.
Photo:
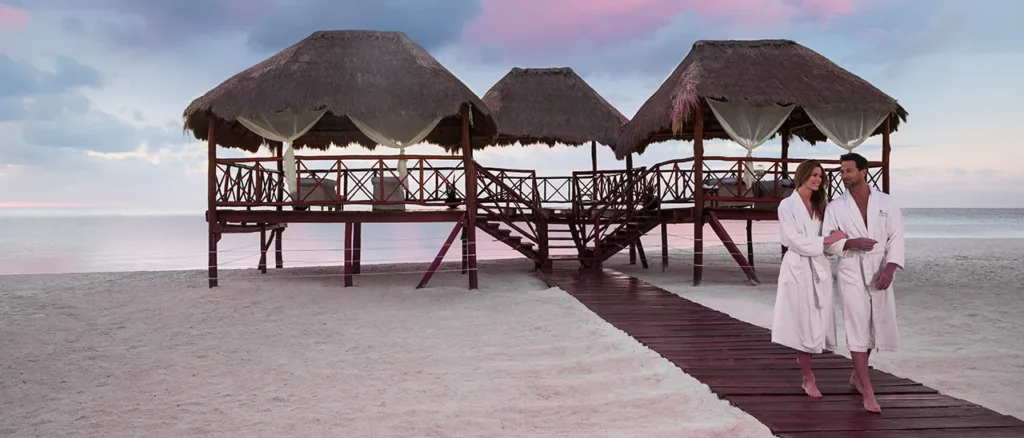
x=816 y=278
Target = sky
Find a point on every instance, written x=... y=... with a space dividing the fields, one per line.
x=92 y=91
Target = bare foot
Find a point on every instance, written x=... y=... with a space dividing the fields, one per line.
x=811 y=388
x=871 y=404
x=855 y=382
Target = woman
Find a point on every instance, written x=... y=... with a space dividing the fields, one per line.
x=804 y=303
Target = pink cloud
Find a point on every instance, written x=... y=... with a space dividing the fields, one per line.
x=532 y=24
x=12 y=17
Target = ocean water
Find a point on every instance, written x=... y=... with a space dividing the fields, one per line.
x=40 y=244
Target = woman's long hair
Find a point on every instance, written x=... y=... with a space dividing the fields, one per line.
x=803 y=173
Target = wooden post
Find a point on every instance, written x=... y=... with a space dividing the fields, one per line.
x=629 y=201
x=470 y=168
x=211 y=200
x=348 y=254
x=465 y=251
x=593 y=166
x=750 y=242
x=278 y=246
x=698 y=194
x=262 y=265
x=664 y=245
x=357 y=246
x=886 y=147
x=785 y=152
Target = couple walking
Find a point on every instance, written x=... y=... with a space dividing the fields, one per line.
x=864 y=229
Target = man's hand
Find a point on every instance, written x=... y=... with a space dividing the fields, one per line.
x=834 y=236
x=860 y=244
x=886 y=276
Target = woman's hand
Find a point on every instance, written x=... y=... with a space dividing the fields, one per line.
x=835 y=236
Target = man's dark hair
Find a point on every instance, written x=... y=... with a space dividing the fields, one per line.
x=862 y=163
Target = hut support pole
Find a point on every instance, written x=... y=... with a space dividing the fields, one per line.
x=664 y=245
x=465 y=251
x=211 y=201
x=357 y=246
x=279 y=232
x=785 y=152
x=470 y=167
x=629 y=173
x=750 y=242
x=698 y=194
x=593 y=167
x=348 y=254
x=886 y=148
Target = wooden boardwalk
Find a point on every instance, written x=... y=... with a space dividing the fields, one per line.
x=739 y=362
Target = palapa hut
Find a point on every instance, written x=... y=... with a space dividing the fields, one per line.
x=333 y=87
x=549 y=106
x=746 y=91
x=554 y=106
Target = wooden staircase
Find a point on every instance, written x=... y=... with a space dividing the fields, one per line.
x=496 y=230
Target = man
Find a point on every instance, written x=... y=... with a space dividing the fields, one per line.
x=868 y=260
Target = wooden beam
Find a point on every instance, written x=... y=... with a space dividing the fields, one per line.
x=211 y=201
x=632 y=245
x=243 y=229
x=723 y=235
x=348 y=254
x=886 y=148
x=338 y=217
x=786 y=133
x=278 y=244
x=664 y=245
x=698 y=194
x=640 y=250
x=459 y=226
x=750 y=242
x=357 y=247
x=471 y=194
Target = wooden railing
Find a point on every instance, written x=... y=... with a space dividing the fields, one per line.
x=337 y=181
x=438 y=180
x=510 y=196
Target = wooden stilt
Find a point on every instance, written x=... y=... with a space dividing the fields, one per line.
x=886 y=149
x=629 y=200
x=664 y=245
x=723 y=235
x=357 y=247
x=640 y=251
x=459 y=226
x=278 y=244
x=264 y=244
x=750 y=242
x=211 y=201
x=278 y=249
x=785 y=151
x=465 y=251
x=471 y=193
x=348 y=254
x=698 y=194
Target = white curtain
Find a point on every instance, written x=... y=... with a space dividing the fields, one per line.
x=750 y=124
x=397 y=132
x=284 y=126
x=847 y=128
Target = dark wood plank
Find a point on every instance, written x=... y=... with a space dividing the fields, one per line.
x=740 y=364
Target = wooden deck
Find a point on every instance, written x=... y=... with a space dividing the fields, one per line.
x=739 y=362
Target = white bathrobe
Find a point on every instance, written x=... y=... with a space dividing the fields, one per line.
x=804 y=316
x=869 y=315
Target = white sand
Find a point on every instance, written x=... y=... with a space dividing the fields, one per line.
x=960 y=306
x=292 y=353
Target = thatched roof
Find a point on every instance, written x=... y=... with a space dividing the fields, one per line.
x=761 y=71
x=366 y=74
x=551 y=105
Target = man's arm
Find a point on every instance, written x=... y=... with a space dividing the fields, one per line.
x=895 y=249
x=830 y=223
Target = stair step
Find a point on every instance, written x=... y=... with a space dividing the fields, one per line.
x=562 y=246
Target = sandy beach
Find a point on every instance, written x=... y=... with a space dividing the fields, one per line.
x=292 y=353
x=959 y=305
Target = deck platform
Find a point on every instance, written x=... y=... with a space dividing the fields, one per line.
x=740 y=364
